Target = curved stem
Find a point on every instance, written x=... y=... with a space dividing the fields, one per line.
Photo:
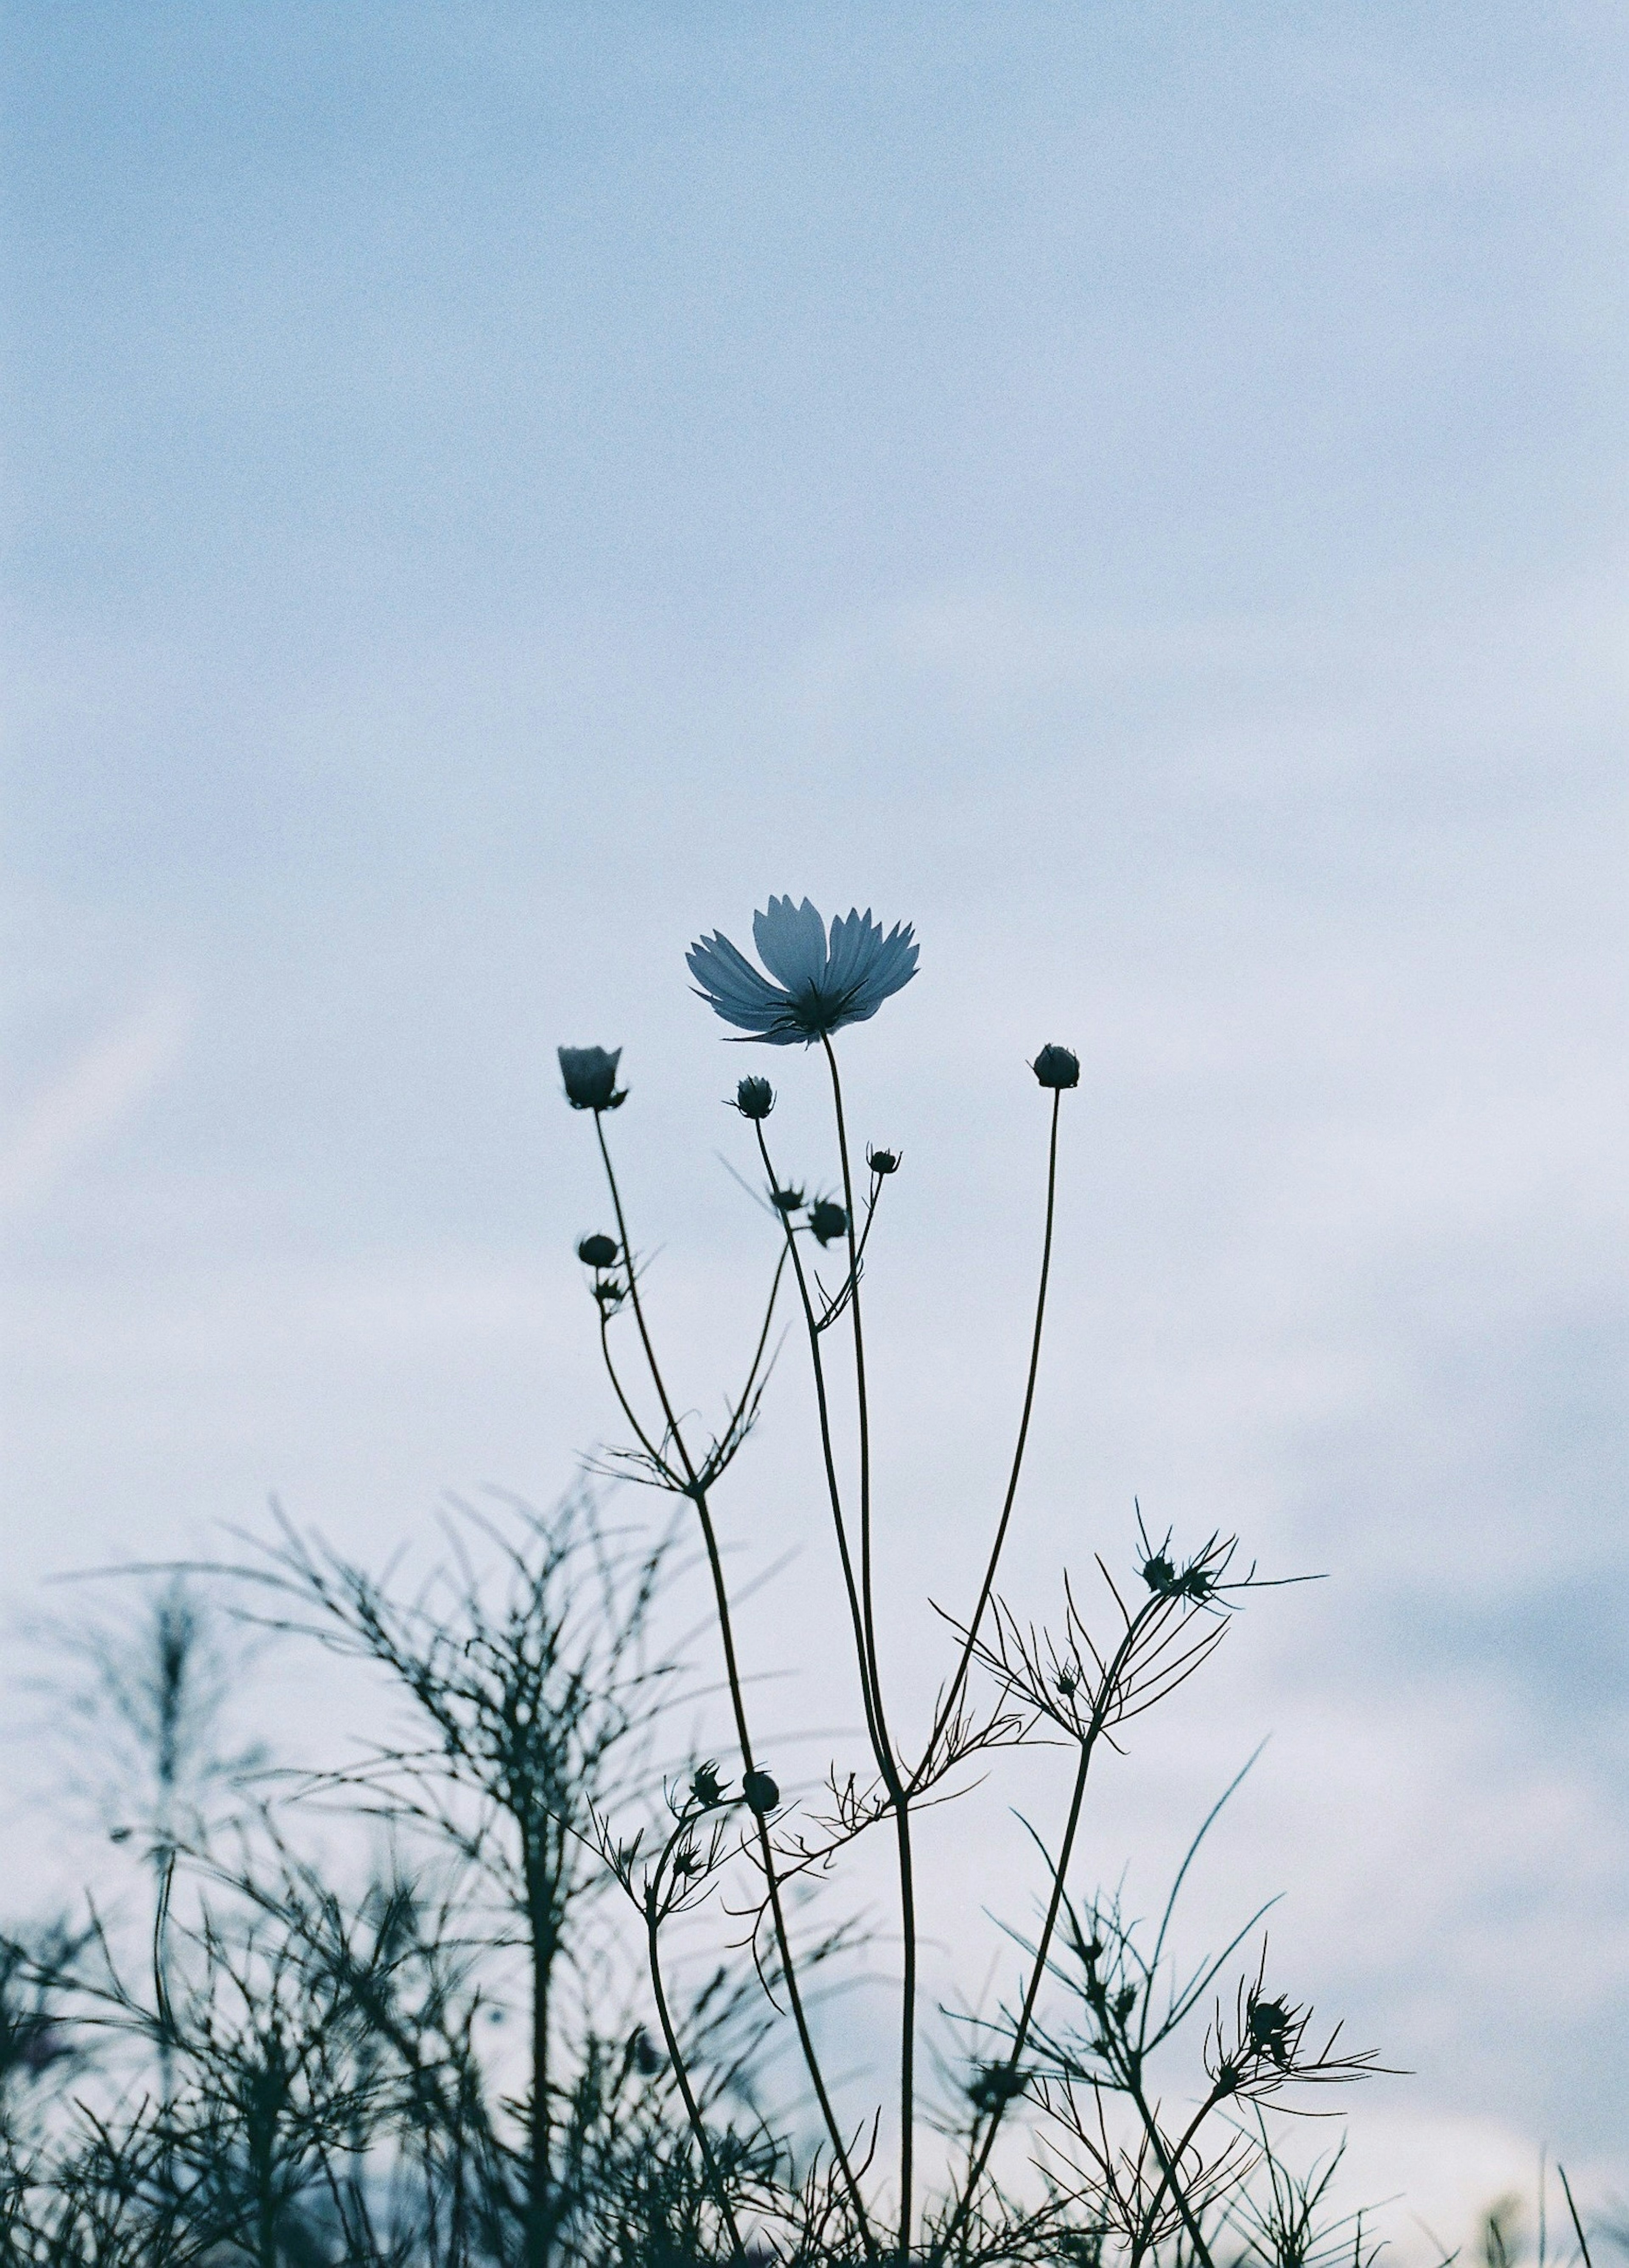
x=693 y=2109
x=698 y=1496
x=643 y=1438
x=873 y=1723
x=739 y=1411
x=1090 y=1737
x=947 y=1707
x=772 y=1882
x=1167 y=2165
x=636 y=1303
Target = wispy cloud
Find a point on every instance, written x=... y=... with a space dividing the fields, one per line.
x=98 y=1092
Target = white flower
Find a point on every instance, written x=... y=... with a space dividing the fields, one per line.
x=821 y=987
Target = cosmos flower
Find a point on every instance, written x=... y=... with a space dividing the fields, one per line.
x=822 y=985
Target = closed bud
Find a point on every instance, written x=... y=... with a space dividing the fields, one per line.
x=755 y=1098
x=826 y=1220
x=994 y=2087
x=706 y=1787
x=761 y=1792
x=597 y=1252
x=1269 y=2021
x=883 y=1161
x=590 y=1077
x=644 y=2053
x=1057 y=1067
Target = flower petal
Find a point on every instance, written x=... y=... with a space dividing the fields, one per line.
x=791 y=944
x=853 y=940
x=890 y=965
x=728 y=981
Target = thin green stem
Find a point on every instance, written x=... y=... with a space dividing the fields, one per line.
x=1090 y=1734
x=947 y=1707
x=739 y=1412
x=657 y=1460
x=698 y=1496
x=772 y=1882
x=636 y=1303
x=898 y=1791
x=693 y=2110
x=1168 y=2163
x=861 y=1399
x=873 y=1721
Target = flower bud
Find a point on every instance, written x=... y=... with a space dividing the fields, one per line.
x=787 y=1200
x=1269 y=2021
x=761 y=1792
x=826 y=1220
x=994 y=2087
x=706 y=1787
x=755 y=1098
x=883 y=1161
x=590 y=1077
x=643 y=2053
x=597 y=1252
x=1057 y=1067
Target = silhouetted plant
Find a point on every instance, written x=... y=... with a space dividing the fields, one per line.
x=317 y=2070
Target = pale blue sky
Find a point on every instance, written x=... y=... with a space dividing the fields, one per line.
x=1139 y=490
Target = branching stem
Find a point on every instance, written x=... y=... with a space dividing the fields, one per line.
x=698 y=1495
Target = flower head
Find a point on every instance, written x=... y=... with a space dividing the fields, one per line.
x=827 y=1220
x=823 y=983
x=883 y=1161
x=706 y=1787
x=761 y=1792
x=590 y=1077
x=1057 y=1067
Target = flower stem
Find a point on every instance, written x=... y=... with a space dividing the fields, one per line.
x=874 y=1724
x=1090 y=1734
x=692 y=2107
x=732 y=1673
x=947 y=1707
x=899 y=1793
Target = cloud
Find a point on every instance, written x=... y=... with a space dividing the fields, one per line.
x=98 y=1093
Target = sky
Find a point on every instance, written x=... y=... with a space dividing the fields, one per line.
x=493 y=492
